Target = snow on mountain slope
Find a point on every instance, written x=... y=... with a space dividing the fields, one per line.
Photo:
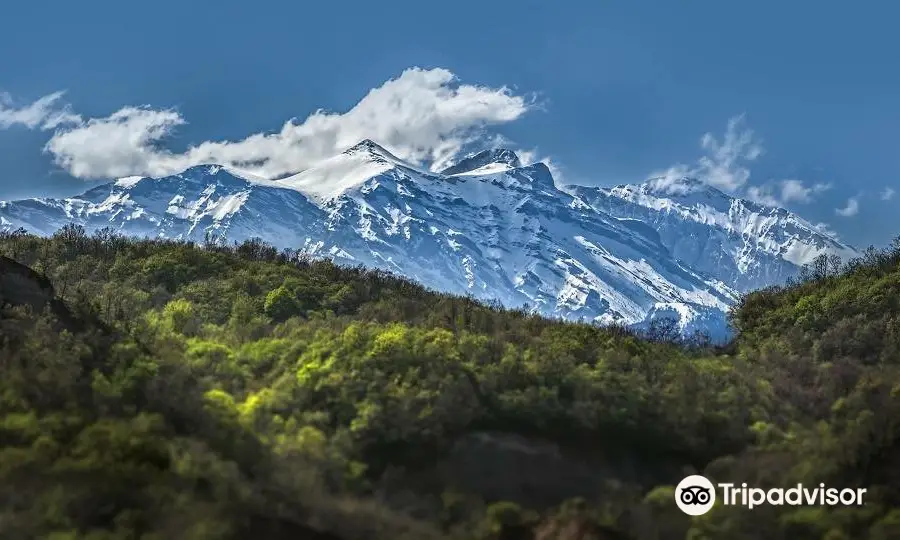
x=347 y=170
x=742 y=243
x=486 y=162
x=201 y=200
x=488 y=226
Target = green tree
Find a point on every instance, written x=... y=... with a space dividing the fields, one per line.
x=281 y=304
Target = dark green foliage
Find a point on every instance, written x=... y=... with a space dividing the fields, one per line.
x=234 y=392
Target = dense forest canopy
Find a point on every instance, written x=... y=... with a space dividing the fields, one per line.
x=157 y=389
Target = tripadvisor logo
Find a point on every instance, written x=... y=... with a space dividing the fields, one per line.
x=695 y=496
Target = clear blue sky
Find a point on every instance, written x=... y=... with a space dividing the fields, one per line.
x=624 y=88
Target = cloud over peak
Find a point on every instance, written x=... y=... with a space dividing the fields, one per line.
x=724 y=165
x=784 y=192
x=422 y=116
x=850 y=209
x=796 y=191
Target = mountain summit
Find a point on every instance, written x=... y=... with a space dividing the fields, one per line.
x=487 y=226
x=485 y=158
x=368 y=146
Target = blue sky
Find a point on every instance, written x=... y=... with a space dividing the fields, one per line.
x=609 y=92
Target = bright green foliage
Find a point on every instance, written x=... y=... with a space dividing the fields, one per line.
x=245 y=393
x=281 y=304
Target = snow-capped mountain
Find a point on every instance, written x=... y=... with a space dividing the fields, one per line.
x=487 y=226
x=740 y=242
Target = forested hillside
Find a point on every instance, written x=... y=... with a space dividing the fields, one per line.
x=156 y=390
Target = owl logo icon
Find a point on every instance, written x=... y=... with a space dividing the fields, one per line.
x=695 y=495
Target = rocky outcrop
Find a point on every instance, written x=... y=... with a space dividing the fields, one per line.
x=22 y=286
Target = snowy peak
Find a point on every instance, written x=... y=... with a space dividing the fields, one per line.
x=742 y=243
x=372 y=149
x=365 y=145
x=540 y=175
x=485 y=162
x=677 y=186
x=349 y=170
x=201 y=175
x=681 y=192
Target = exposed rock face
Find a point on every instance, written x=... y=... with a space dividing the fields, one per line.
x=22 y=286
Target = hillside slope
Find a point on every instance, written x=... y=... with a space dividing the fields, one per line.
x=234 y=392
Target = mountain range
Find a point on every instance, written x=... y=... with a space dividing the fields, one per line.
x=488 y=226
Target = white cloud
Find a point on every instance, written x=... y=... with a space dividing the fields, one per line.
x=121 y=144
x=762 y=195
x=422 y=116
x=826 y=229
x=45 y=113
x=527 y=157
x=851 y=208
x=796 y=191
x=724 y=164
x=784 y=192
x=887 y=194
x=669 y=178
